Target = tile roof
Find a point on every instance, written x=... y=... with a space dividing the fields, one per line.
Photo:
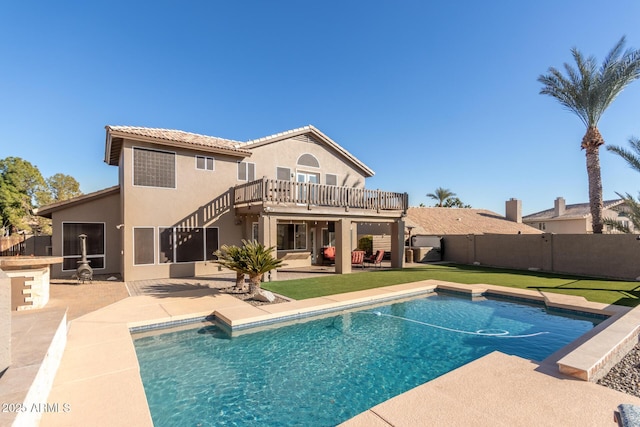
x=579 y=210
x=452 y=221
x=280 y=134
x=171 y=135
x=47 y=210
x=230 y=146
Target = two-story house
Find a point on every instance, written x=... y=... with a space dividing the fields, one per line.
x=180 y=196
x=576 y=218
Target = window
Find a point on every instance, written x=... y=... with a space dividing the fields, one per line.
x=143 y=245
x=71 y=246
x=187 y=244
x=205 y=163
x=283 y=174
x=331 y=179
x=255 y=232
x=328 y=237
x=308 y=160
x=165 y=245
x=152 y=168
x=246 y=171
x=542 y=226
x=292 y=236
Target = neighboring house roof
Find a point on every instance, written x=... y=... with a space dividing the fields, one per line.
x=47 y=210
x=452 y=221
x=169 y=137
x=577 y=211
x=316 y=136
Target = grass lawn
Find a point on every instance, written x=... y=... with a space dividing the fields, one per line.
x=599 y=290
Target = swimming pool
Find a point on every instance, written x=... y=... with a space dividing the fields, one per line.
x=325 y=371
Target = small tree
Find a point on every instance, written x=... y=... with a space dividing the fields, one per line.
x=232 y=257
x=252 y=258
x=455 y=202
x=366 y=244
x=20 y=186
x=441 y=195
x=258 y=260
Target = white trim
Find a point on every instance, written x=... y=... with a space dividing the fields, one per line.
x=173 y=239
x=285 y=167
x=104 y=245
x=307 y=166
x=213 y=160
x=255 y=225
x=175 y=167
x=247 y=174
x=174 y=246
x=133 y=240
x=306 y=236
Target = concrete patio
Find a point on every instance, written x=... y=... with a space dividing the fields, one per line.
x=98 y=378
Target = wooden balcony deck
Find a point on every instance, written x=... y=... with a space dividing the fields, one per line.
x=294 y=195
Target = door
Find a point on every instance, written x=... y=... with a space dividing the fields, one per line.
x=306 y=194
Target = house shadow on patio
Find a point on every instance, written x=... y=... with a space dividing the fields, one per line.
x=187 y=287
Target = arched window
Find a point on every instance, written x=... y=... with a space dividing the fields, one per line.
x=308 y=160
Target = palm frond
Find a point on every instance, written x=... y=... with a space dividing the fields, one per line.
x=616 y=225
x=632 y=211
x=588 y=90
x=632 y=157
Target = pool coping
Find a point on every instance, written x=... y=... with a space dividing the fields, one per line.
x=100 y=362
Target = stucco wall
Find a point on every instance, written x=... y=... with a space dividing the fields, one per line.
x=103 y=210
x=5 y=321
x=204 y=198
x=201 y=198
x=599 y=255
x=285 y=154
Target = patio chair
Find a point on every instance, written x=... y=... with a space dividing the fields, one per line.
x=329 y=255
x=375 y=259
x=357 y=258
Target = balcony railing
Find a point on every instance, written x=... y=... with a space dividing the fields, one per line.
x=306 y=193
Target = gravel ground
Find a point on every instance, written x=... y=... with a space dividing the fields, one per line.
x=625 y=376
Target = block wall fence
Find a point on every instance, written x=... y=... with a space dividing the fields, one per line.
x=614 y=256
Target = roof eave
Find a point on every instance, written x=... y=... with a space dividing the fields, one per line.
x=111 y=133
x=368 y=172
x=47 y=210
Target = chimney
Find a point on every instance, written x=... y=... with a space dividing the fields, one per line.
x=558 y=207
x=513 y=209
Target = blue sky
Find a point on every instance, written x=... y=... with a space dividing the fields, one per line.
x=428 y=94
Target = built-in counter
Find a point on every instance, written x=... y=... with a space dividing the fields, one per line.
x=29 y=279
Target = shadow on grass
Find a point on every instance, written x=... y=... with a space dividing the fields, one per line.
x=607 y=291
x=630 y=297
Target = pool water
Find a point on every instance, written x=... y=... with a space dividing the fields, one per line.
x=322 y=372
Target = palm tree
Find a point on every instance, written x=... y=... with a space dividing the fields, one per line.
x=587 y=91
x=258 y=260
x=632 y=158
x=441 y=195
x=232 y=257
